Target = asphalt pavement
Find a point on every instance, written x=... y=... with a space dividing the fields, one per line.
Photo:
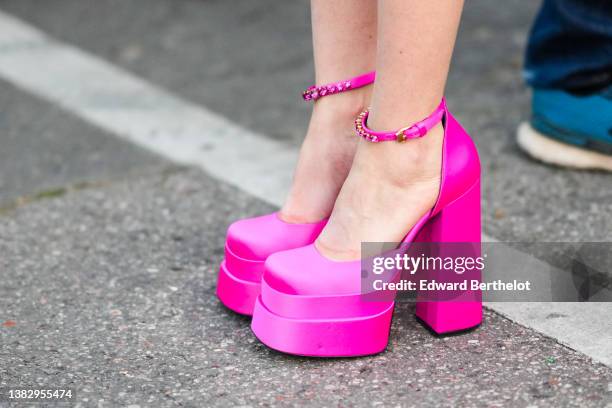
x=112 y=292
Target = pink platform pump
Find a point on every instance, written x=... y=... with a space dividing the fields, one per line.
x=251 y=241
x=313 y=306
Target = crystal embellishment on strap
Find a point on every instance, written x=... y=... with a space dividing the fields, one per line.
x=318 y=91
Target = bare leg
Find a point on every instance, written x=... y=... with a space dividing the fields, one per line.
x=391 y=185
x=344 y=38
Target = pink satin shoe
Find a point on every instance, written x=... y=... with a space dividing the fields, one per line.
x=313 y=306
x=251 y=241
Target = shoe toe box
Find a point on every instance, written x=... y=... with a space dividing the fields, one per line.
x=258 y=237
x=304 y=271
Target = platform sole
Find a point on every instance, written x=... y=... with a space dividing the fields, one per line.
x=356 y=336
x=237 y=294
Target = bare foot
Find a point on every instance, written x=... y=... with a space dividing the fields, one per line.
x=389 y=188
x=325 y=157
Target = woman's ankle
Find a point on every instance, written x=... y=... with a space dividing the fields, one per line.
x=326 y=156
x=390 y=186
x=403 y=164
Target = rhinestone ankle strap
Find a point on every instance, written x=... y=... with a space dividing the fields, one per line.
x=419 y=129
x=318 y=91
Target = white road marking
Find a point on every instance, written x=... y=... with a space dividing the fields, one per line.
x=137 y=111
x=133 y=109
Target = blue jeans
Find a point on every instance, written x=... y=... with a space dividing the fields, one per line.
x=570 y=45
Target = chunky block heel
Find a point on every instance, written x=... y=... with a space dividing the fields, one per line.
x=458 y=222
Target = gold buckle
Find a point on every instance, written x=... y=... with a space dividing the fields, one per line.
x=401 y=137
